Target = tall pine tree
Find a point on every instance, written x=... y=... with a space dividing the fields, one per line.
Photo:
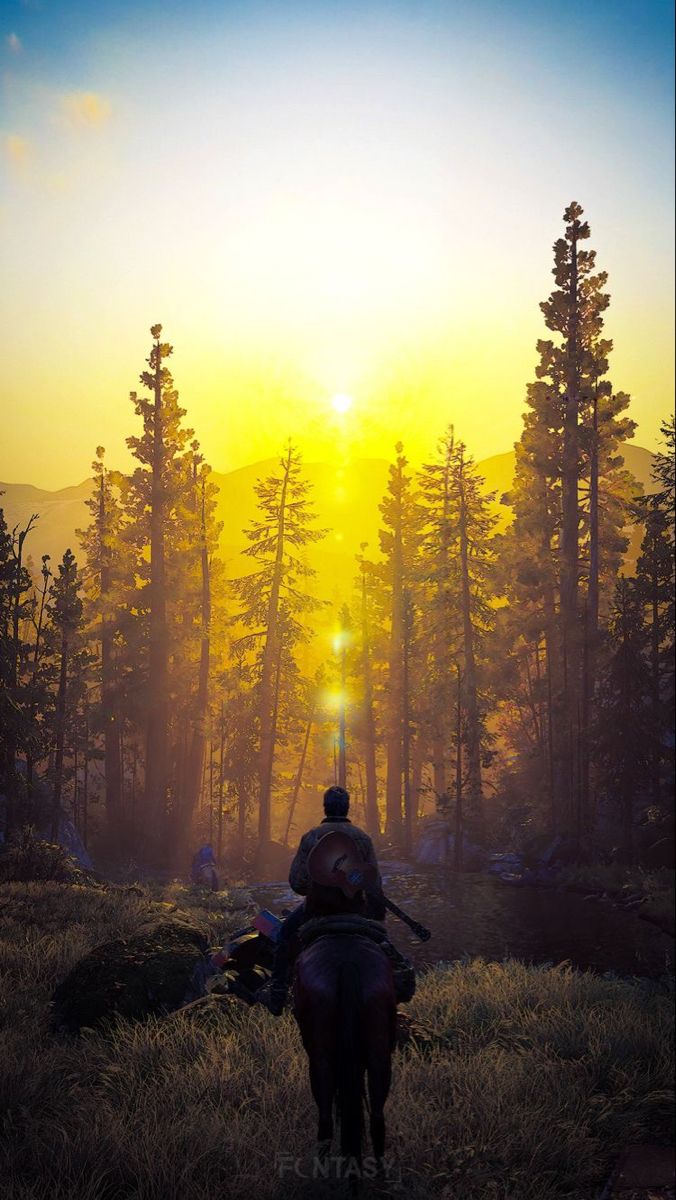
x=275 y=598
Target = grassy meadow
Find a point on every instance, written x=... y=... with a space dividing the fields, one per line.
x=525 y=1083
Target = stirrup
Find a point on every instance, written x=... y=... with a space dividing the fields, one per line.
x=273 y=996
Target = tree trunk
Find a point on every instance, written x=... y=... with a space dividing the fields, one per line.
x=457 y=845
x=656 y=757
x=111 y=722
x=591 y=633
x=156 y=766
x=10 y=737
x=198 y=740
x=60 y=738
x=406 y=722
x=85 y=779
x=418 y=761
x=269 y=688
x=34 y=679
x=342 y=749
x=221 y=765
x=299 y=773
x=393 y=813
x=570 y=518
x=371 y=799
x=241 y=815
x=472 y=723
x=441 y=647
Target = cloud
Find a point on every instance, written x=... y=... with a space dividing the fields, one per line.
x=17 y=150
x=14 y=43
x=86 y=109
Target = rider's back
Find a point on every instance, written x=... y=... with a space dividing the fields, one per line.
x=321 y=899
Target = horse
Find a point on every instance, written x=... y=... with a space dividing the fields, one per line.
x=345 y=1006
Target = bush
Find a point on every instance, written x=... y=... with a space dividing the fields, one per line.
x=31 y=858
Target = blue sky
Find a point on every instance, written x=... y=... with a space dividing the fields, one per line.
x=323 y=197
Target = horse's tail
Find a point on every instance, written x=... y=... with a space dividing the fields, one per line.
x=351 y=1061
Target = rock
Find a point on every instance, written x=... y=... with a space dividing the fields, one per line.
x=505 y=864
x=436 y=846
x=151 y=973
x=69 y=838
x=215 y=1011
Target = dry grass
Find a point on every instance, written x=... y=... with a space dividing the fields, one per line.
x=530 y=1082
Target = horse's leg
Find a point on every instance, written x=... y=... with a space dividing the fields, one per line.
x=314 y=1008
x=323 y=1085
x=379 y=1080
x=380 y=1029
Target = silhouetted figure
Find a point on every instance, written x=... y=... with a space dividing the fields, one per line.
x=203 y=871
x=322 y=900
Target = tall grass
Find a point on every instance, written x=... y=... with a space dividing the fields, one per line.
x=525 y=1085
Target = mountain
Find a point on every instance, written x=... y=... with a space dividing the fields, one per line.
x=346 y=497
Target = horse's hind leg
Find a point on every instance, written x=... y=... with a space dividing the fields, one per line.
x=322 y=1082
x=379 y=1080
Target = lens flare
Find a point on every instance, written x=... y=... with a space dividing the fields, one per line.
x=342 y=403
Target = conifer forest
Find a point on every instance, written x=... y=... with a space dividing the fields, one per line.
x=506 y=661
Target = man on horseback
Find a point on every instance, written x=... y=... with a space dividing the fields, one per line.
x=323 y=900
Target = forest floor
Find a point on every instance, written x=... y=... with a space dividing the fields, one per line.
x=526 y=1083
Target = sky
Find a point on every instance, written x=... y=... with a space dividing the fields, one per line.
x=320 y=199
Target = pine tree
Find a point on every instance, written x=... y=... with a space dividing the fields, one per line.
x=7 y=709
x=664 y=470
x=398 y=543
x=37 y=700
x=655 y=582
x=16 y=604
x=571 y=501
x=655 y=579
x=622 y=727
x=274 y=600
x=442 y=575
x=203 y=530
x=241 y=751
x=472 y=532
x=151 y=497
x=103 y=577
x=65 y=612
x=365 y=672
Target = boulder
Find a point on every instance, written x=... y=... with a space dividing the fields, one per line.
x=436 y=847
x=151 y=973
x=69 y=838
x=509 y=864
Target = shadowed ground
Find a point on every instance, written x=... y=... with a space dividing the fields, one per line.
x=527 y=1083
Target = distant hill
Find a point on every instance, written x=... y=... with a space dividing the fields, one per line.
x=346 y=499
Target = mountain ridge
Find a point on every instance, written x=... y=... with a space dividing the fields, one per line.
x=345 y=495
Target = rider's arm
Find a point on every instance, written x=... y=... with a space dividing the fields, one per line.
x=370 y=858
x=299 y=878
x=376 y=908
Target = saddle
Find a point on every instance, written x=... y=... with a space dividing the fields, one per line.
x=351 y=924
x=341 y=924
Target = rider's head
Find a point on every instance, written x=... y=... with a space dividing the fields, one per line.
x=336 y=801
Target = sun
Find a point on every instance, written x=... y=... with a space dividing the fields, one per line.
x=342 y=403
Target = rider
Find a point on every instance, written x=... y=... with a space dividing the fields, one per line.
x=321 y=900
